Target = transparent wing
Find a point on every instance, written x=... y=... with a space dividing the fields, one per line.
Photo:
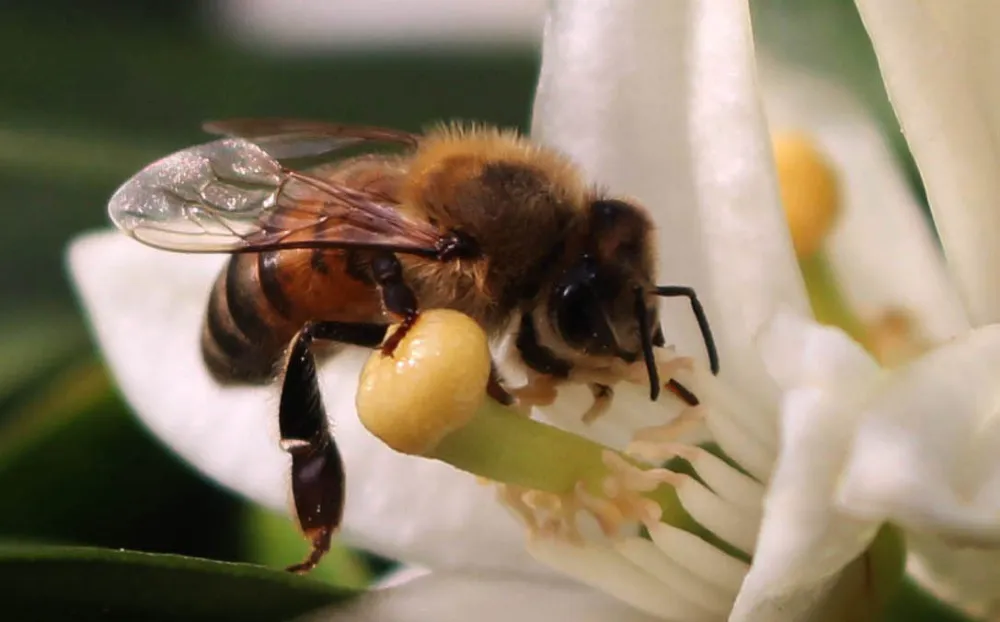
x=232 y=195
x=302 y=138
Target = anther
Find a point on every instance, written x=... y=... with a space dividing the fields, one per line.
x=809 y=190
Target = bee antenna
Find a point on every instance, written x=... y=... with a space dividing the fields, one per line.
x=673 y=291
x=645 y=334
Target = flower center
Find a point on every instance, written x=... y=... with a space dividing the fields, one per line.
x=661 y=524
x=671 y=540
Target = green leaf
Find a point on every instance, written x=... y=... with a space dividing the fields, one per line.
x=76 y=468
x=68 y=583
x=272 y=540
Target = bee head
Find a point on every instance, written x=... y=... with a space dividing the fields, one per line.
x=599 y=303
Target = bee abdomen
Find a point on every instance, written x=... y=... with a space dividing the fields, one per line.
x=244 y=333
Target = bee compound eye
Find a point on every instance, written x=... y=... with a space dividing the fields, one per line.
x=574 y=306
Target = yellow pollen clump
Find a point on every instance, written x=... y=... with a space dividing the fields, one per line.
x=809 y=190
x=433 y=384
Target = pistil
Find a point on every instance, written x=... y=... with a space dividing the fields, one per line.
x=811 y=196
x=429 y=399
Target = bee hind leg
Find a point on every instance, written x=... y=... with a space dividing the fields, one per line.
x=317 y=469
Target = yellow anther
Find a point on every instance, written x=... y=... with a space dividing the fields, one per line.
x=433 y=384
x=809 y=190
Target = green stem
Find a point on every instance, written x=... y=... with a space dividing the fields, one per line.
x=505 y=446
x=827 y=299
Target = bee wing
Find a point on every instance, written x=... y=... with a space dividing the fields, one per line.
x=301 y=138
x=231 y=195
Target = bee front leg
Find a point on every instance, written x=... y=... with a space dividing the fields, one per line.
x=669 y=367
x=317 y=468
x=540 y=390
x=495 y=388
x=683 y=393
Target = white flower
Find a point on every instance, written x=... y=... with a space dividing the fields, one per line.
x=658 y=101
x=940 y=63
x=924 y=453
x=881 y=250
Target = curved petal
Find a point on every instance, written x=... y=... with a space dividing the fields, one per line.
x=800 y=353
x=453 y=598
x=804 y=541
x=882 y=249
x=146 y=308
x=658 y=101
x=940 y=62
x=966 y=578
x=926 y=453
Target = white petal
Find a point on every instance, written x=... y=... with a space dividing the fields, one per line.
x=146 y=308
x=940 y=62
x=927 y=453
x=798 y=353
x=882 y=249
x=401 y=576
x=964 y=577
x=804 y=542
x=658 y=101
x=454 y=598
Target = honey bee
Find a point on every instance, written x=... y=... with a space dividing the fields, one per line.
x=331 y=247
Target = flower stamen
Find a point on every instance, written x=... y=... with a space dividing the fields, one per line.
x=583 y=503
x=698 y=556
x=660 y=435
x=735 y=525
x=650 y=558
x=810 y=190
x=609 y=515
x=730 y=484
x=607 y=569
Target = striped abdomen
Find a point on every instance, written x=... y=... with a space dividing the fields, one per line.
x=261 y=300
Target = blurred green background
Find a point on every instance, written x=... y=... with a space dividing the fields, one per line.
x=91 y=92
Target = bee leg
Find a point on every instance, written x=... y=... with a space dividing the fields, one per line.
x=603 y=396
x=539 y=391
x=495 y=388
x=317 y=469
x=673 y=386
x=683 y=392
x=397 y=297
